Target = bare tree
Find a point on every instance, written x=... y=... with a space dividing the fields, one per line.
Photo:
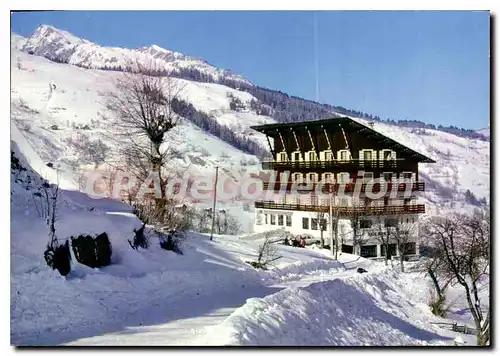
x=267 y=253
x=46 y=199
x=226 y=223
x=97 y=151
x=464 y=242
x=403 y=233
x=142 y=115
x=441 y=277
x=321 y=218
x=357 y=217
x=384 y=233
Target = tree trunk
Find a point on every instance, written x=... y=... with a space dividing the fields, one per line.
x=435 y=281
x=336 y=239
x=401 y=258
x=322 y=240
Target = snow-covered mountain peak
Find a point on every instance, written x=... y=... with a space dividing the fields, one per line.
x=16 y=41
x=55 y=34
x=63 y=47
x=166 y=54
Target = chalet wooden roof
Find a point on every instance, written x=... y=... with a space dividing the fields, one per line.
x=349 y=125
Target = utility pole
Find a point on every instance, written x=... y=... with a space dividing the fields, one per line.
x=331 y=223
x=215 y=199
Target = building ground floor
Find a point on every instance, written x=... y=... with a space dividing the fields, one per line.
x=313 y=226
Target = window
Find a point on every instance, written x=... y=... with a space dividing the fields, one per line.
x=323 y=224
x=312 y=156
x=297 y=177
x=312 y=177
x=314 y=224
x=273 y=219
x=305 y=223
x=344 y=178
x=391 y=222
x=259 y=219
x=327 y=177
x=265 y=219
x=368 y=176
x=406 y=201
x=368 y=251
x=410 y=248
x=387 y=176
x=288 y=220
x=344 y=155
x=328 y=156
x=280 y=220
x=388 y=154
x=392 y=250
x=406 y=175
x=296 y=156
x=365 y=224
x=283 y=156
x=314 y=200
x=368 y=155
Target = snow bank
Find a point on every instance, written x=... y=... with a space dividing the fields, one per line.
x=371 y=309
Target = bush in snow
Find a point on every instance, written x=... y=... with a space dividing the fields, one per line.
x=437 y=304
x=15 y=164
x=92 y=252
x=58 y=257
x=235 y=103
x=46 y=201
x=140 y=240
x=172 y=241
x=267 y=253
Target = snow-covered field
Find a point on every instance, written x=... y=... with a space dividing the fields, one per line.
x=209 y=295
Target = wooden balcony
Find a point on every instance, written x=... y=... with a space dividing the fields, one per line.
x=348 y=188
x=346 y=211
x=338 y=165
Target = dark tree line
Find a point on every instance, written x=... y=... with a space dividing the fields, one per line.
x=210 y=125
x=287 y=108
x=281 y=106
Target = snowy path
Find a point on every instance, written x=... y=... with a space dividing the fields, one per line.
x=185 y=321
x=190 y=318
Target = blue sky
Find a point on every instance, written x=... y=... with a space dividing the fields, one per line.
x=429 y=66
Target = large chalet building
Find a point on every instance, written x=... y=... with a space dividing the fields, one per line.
x=366 y=181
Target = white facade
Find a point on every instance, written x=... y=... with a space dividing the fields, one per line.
x=303 y=223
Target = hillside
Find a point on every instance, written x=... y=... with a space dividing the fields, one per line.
x=209 y=295
x=79 y=99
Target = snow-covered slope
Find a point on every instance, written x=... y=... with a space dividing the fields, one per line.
x=382 y=308
x=140 y=288
x=461 y=164
x=485 y=132
x=79 y=100
x=61 y=46
x=207 y=296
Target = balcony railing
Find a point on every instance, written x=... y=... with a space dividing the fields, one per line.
x=348 y=188
x=347 y=165
x=346 y=211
